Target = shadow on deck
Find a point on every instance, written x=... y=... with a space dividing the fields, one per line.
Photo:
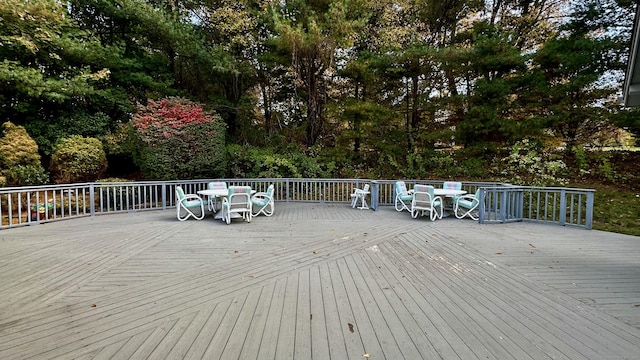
x=316 y=281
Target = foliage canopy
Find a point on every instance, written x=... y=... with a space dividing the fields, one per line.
x=364 y=84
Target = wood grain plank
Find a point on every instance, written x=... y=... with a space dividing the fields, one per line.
x=355 y=347
x=268 y=345
x=330 y=319
x=302 y=343
x=221 y=336
x=208 y=331
x=361 y=325
x=285 y=348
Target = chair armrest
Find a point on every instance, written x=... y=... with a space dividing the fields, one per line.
x=469 y=197
x=192 y=197
x=260 y=196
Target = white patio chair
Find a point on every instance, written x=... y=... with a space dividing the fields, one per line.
x=360 y=195
x=424 y=201
x=237 y=204
x=466 y=205
x=452 y=185
x=212 y=200
x=403 y=198
x=186 y=203
x=263 y=201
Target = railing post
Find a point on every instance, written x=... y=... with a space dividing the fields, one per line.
x=92 y=199
x=503 y=205
x=287 y=189
x=375 y=186
x=481 y=208
x=164 y=195
x=589 y=214
x=563 y=207
x=520 y=214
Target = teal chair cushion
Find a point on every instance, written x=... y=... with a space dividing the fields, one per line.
x=187 y=203
x=466 y=203
x=469 y=203
x=260 y=202
x=191 y=203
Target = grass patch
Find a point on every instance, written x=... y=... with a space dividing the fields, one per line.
x=616 y=210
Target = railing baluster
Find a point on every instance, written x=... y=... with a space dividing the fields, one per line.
x=571 y=219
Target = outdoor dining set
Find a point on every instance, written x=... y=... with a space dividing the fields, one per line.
x=234 y=202
x=242 y=202
x=427 y=200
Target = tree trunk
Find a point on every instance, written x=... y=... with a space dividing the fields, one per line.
x=356 y=123
x=415 y=95
x=313 y=70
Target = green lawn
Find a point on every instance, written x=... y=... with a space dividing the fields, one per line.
x=617 y=210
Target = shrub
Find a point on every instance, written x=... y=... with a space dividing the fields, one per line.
x=78 y=159
x=19 y=158
x=76 y=121
x=474 y=168
x=119 y=141
x=582 y=163
x=528 y=165
x=422 y=165
x=177 y=139
x=267 y=163
x=24 y=175
x=605 y=168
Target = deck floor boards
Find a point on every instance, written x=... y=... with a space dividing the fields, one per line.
x=316 y=281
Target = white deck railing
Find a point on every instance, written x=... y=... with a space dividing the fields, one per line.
x=499 y=202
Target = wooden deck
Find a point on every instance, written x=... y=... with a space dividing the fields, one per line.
x=316 y=281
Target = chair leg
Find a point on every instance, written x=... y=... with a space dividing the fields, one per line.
x=363 y=205
x=189 y=213
x=269 y=211
x=183 y=218
x=470 y=214
x=400 y=205
x=462 y=213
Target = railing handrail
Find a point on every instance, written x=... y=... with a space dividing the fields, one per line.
x=500 y=202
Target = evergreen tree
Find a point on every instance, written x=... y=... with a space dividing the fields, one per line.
x=48 y=71
x=573 y=68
